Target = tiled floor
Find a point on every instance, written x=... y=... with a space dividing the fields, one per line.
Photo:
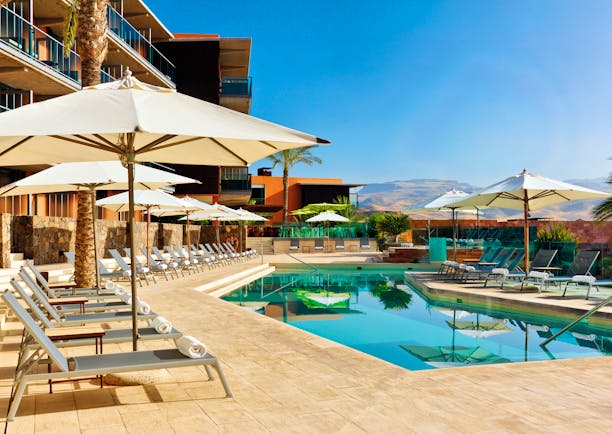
x=285 y=380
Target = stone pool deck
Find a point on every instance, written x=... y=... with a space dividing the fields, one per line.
x=286 y=380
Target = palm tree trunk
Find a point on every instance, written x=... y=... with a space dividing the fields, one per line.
x=285 y=194
x=91 y=46
x=84 y=267
x=3 y=2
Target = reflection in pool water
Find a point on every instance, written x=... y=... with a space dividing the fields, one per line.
x=379 y=314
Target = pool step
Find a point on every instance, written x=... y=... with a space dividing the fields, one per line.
x=227 y=284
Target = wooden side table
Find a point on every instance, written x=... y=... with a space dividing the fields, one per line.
x=65 y=333
x=69 y=300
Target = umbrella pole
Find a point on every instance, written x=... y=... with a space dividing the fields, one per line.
x=526 y=230
x=148 y=241
x=95 y=236
x=188 y=234
x=130 y=170
x=454 y=234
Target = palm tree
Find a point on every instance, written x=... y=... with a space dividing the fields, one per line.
x=603 y=211
x=393 y=224
x=288 y=159
x=350 y=211
x=87 y=21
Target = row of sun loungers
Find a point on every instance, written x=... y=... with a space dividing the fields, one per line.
x=502 y=265
x=48 y=310
x=174 y=260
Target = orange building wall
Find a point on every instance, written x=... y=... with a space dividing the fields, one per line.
x=274 y=192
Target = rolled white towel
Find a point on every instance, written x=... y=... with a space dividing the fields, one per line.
x=539 y=275
x=162 y=325
x=109 y=284
x=119 y=290
x=469 y=268
x=191 y=347
x=143 y=307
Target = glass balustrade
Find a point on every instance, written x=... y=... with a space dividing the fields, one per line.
x=236 y=86
x=18 y=33
x=132 y=37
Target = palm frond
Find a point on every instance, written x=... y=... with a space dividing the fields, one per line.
x=70 y=27
x=603 y=211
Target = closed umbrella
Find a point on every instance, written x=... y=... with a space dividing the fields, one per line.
x=528 y=192
x=143 y=200
x=133 y=121
x=92 y=176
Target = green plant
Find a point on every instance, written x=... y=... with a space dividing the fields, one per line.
x=350 y=211
x=393 y=224
x=556 y=232
x=603 y=211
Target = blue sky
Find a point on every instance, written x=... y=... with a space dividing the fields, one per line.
x=467 y=90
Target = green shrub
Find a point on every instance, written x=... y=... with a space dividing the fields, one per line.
x=556 y=232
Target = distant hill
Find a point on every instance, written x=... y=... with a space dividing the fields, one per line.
x=401 y=195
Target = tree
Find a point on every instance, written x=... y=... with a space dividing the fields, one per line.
x=86 y=20
x=287 y=160
x=393 y=224
x=603 y=211
x=350 y=211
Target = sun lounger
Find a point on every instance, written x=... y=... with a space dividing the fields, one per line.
x=173 y=261
x=76 y=319
x=170 y=267
x=339 y=244
x=97 y=305
x=140 y=270
x=583 y=263
x=364 y=244
x=87 y=366
x=104 y=272
x=193 y=262
x=319 y=244
x=184 y=264
x=542 y=259
x=294 y=244
x=153 y=266
x=584 y=281
x=220 y=256
x=501 y=274
x=213 y=259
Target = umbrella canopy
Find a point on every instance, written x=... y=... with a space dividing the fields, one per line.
x=451 y=356
x=97 y=175
x=143 y=200
x=528 y=192
x=130 y=121
x=92 y=176
x=327 y=299
x=327 y=216
x=314 y=208
x=479 y=329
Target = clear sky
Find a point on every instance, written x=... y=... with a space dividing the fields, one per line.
x=467 y=90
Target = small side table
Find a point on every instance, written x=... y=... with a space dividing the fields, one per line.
x=65 y=333
x=548 y=269
x=69 y=300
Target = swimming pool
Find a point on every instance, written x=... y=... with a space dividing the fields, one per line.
x=377 y=312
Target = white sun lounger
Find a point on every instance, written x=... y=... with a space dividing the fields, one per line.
x=94 y=365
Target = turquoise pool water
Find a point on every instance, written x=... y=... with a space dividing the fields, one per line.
x=380 y=314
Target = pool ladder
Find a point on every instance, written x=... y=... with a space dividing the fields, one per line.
x=576 y=321
x=314 y=269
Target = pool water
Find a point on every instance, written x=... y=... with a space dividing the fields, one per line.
x=380 y=314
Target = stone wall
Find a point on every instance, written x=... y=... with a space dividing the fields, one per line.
x=45 y=239
x=226 y=232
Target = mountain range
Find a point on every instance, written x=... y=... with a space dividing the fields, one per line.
x=395 y=196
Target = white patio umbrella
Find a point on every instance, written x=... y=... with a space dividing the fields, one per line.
x=92 y=176
x=326 y=217
x=143 y=200
x=528 y=192
x=446 y=202
x=216 y=212
x=133 y=121
x=242 y=216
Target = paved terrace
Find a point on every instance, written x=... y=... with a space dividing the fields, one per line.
x=286 y=380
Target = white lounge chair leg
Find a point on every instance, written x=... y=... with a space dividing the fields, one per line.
x=20 y=388
x=228 y=391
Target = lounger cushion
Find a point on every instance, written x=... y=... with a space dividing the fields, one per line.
x=584 y=279
x=538 y=275
x=500 y=271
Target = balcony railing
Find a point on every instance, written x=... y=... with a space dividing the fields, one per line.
x=126 y=32
x=236 y=86
x=12 y=98
x=32 y=41
x=105 y=77
x=228 y=185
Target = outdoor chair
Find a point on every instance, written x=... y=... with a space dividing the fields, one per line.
x=339 y=244
x=180 y=253
x=196 y=257
x=140 y=271
x=581 y=280
x=221 y=257
x=228 y=253
x=294 y=244
x=242 y=256
x=501 y=274
x=81 y=304
x=93 y=365
x=183 y=263
x=319 y=244
x=91 y=293
x=77 y=319
x=171 y=267
x=217 y=248
x=214 y=260
x=583 y=263
x=542 y=259
x=364 y=244
x=104 y=272
x=173 y=262
x=482 y=258
x=153 y=266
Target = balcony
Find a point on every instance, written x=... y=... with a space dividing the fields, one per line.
x=21 y=37
x=236 y=86
x=140 y=44
x=105 y=77
x=12 y=98
x=235 y=192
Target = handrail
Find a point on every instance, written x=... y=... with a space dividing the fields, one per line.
x=573 y=323
x=305 y=263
